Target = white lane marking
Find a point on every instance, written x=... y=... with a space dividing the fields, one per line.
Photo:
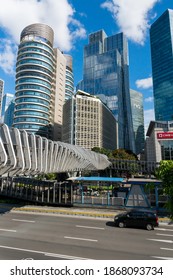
x=64 y=256
x=164 y=234
x=164 y=229
x=83 y=239
x=161 y=240
x=44 y=253
x=10 y=230
x=90 y=227
x=163 y=258
x=168 y=249
x=26 y=221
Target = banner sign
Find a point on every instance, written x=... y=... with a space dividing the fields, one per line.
x=165 y=135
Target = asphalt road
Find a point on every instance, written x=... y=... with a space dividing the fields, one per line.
x=51 y=237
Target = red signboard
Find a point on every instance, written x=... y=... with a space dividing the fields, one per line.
x=165 y=135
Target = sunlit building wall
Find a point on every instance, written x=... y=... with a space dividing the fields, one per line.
x=69 y=83
x=88 y=122
x=58 y=96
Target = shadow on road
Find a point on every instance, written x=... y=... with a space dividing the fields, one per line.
x=110 y=224
x=7 y=204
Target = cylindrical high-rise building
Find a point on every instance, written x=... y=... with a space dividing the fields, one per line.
x=34 y=79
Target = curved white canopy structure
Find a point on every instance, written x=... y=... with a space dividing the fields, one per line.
x=22 y=153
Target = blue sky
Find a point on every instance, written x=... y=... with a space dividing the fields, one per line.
x=72 y=21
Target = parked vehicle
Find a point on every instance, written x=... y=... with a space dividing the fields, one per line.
x=137 y=219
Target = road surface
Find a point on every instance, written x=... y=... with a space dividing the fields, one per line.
x=58 y=237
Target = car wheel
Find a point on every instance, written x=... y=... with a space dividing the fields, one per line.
x=149 y=227
x=121 y=224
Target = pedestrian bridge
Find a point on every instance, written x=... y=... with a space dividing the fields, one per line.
x=23 y=153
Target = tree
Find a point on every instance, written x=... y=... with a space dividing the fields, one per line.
x=104 y=151
x=165 y=173
x=124 y=154
x=116 y=154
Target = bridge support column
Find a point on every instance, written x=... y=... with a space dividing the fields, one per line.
x=26 y=191
x=48 y=195
x=108 y=198
x=54 y=193
x=71 y=189
x=36 y=193
x=42 y=196
x=65 y=194
x=31 y=193
x=6 y=186
x=157 y=197
x=11 y=186
x=59 y=193
x=2 y=182
x=82 y=196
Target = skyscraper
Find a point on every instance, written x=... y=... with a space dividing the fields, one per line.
x=106 y=74
x=1 y=96
x=40 y=83
x=161 y=37
x=7 y=99
x=9 y=114
x=138 y=119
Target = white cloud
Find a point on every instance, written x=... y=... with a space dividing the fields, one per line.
x=145 y=83
x=149 y=99
x=132 y=16
x=8 y=52
x=148 y=116
x=15 y=15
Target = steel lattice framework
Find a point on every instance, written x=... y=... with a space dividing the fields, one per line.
x=23 y=153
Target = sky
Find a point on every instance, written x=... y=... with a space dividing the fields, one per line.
x=72 y=22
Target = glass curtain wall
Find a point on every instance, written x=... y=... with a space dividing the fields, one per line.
x=34 y=78
x=106 y=75
x=161 y=37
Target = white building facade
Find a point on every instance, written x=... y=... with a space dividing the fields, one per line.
x=88 y=122
x=159 y=141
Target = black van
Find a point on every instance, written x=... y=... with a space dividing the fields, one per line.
x=137 y=219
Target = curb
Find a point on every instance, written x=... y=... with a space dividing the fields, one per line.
x=65 y=212
x=76 y=213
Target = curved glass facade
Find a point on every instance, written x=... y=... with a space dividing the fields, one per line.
x=34 y=68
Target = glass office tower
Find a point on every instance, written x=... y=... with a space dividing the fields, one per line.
x=161 y=37
x=34 y=78
x=9 y=114
x=7 y=99
x=106 y=74
x=138 y=119
x=1 y=96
